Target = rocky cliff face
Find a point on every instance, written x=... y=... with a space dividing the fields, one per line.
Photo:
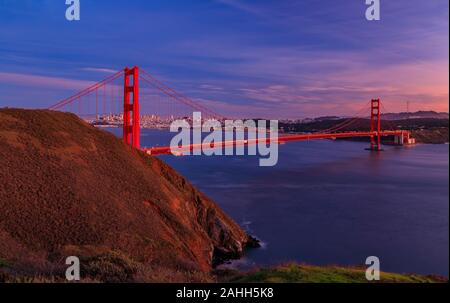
x=69 y=189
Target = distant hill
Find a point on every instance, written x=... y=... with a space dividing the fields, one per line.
x=424 y=130
x=385 y=116
x=326 y=118
x=70 y=189
x=415 y=115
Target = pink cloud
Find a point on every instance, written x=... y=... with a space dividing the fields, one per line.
x=99 y=70
x=28 y=80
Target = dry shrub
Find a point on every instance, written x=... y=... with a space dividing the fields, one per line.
x=112 y=267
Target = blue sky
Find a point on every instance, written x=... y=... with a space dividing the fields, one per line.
x=266 y=58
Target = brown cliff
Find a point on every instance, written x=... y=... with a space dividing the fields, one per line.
x=67 y=188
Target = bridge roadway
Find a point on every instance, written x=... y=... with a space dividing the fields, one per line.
x=166 y=150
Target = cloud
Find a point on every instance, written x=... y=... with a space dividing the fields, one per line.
x=99 y=70
x=289 y=58
x=210 y=87
x=295 y=80
x=239 y=5
x=28 y=80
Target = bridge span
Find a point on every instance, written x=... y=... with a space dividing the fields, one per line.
x=128 y=95
x=166 y=150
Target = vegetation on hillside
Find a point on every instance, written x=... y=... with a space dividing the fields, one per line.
x=296 y=273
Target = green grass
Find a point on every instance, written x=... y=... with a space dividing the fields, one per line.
x=295 y=273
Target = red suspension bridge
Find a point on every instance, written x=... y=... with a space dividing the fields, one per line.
x=125 y=95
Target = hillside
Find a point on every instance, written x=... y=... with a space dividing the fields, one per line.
x=69 y=189
x=303 y=273
x=415 y=115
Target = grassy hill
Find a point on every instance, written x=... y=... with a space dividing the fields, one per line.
x=296 y=273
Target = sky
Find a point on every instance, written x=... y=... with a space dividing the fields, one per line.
x=265 y=58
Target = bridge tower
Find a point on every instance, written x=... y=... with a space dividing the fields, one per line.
x=131 y=126
x=375 y=125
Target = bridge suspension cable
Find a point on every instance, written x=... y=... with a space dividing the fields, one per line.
x=147 y=77
x=86 y=91
x=347 y=122
x=390 y=124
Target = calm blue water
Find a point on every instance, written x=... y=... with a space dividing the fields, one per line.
x=332 y=202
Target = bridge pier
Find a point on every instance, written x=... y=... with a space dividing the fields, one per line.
x=399 y=140
x=375 y=144
x=404 y=139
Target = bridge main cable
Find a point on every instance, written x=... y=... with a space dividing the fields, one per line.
x=86 y=91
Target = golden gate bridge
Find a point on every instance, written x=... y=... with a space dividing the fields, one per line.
x=131 y=91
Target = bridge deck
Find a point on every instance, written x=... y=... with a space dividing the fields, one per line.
x=166 y=150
